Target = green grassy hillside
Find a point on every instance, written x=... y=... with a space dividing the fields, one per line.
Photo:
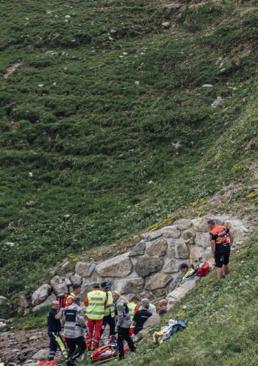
x=92 y=120
x=222 y=318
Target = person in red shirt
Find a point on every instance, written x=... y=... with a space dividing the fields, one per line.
x=75 y=293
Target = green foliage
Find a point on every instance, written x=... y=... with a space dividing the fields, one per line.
x=90 y=121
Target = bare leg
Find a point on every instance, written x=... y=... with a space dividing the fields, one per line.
x=220 y=273
x=226 y=269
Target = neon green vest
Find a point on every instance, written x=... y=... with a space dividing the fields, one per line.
x=96 y=308
x=131 y=307
x=110 y=309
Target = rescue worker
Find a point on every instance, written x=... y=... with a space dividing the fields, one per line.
x=141 y=316
x=54 y=329
x=221 y=240
x=95 y=302
x=109 y=317
x=151 y=308
x=132 y=305
x=76 y=292
x=74 y=325
x=123 y=327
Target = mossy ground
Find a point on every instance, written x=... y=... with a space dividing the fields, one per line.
x=89 y=121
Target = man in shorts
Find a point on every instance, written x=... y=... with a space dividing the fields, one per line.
x=221 y=240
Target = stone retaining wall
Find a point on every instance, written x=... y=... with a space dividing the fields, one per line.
x=150 y=268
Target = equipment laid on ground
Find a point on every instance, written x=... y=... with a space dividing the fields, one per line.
x=107 y=352
x=203 y=269
x=166 y=332
x=46 y=363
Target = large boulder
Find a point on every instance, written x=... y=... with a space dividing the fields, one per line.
x=171 y=232
x=75 y=279
x=59 y=285
x=171 y=266
x=157 y=281
x=132 y=285
x=152 y=235
x=182 y=251
x=189 y=236
x=40 y=294
x=183 y=224
x=146 y=265
x=120 y=266
x=202 y=239
x=84 y=269
x=201 y=224
x=45 y=303
x=138 y=249
x=157 y=248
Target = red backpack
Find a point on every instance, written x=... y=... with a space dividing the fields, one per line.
x=46 y=363
x=203 y=269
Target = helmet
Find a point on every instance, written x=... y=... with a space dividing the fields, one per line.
x=106 y=285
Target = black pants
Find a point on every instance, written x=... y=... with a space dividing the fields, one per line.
x=53 y=346
x=111 y=322
x=76 y=347
x=123 y=335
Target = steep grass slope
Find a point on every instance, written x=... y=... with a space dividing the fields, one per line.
x=222 y=326
x=107 y=126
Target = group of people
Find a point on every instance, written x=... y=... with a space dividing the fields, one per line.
x=84 y=322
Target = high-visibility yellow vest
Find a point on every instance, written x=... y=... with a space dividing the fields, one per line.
x=96 y=308
x=131 y=307
x=110 y=307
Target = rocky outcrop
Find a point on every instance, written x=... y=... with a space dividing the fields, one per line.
x=150 y=268
x=40 y=294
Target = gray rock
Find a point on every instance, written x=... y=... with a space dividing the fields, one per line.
x=41 y=355
x=59 y=285
x=152 y=235
x=157 y=248
x=217 y=102
x=120 y=266
x=85 y=269
x=202 y=239
x=171 y=266
x=75 y=279
x=45 y=303
x=138 y=249
x=172 y=244
x=200 y=224
x=196 y=253
x=146 y=265
x=166 y=25
x=183 y=224
x=152 y=321
x=158 y=281
x=132 y=285
x=171 y=232
x=189 y=236
x=40 y=294
x=182 y=251
x=22 y=305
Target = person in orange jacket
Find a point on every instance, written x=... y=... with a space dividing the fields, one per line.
x=221 y=240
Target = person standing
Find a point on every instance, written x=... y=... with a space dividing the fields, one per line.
x=54 y=329
x=123 y=328
x=109 y=317
x=221 y=240
x=76 y=292
x=74 y=325
x=95 y=302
